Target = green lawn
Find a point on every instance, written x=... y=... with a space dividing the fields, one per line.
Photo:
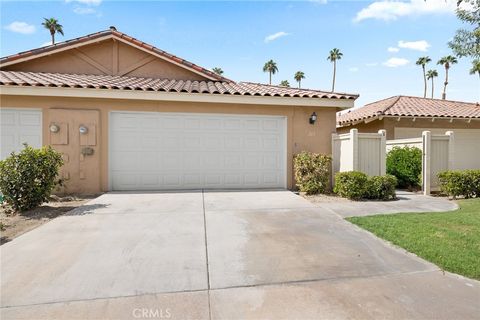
x=451 y=239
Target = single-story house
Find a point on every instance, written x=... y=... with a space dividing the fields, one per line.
x=129 y=116
x=406 y=117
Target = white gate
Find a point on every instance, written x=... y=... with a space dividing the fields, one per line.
x=437 y=155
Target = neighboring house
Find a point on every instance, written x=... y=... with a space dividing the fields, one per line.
x=128 y=116
x=406 y=117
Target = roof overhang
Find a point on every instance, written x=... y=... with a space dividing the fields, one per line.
x=61 y=47
x=413 y=118
x=170 y=96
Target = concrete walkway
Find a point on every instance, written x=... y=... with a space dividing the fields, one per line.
x=406 y=202
x=219 y=255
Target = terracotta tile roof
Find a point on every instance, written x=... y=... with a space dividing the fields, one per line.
x=404 y=106
x=112 y=32
x=16 y=78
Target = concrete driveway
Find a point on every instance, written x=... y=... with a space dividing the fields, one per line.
x=219 y=255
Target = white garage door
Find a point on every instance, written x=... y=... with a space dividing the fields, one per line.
x=19 y=126
x=161 y=151
x=466 y=144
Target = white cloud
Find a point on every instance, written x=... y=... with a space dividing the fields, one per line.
x=84 y=10
x=420 y=45
x=87 y=2
x=21 y=27
x=396 y=62
x=318 y=1
x=275 y=36
x=46 y=44
x=392 y=10
x=393 y=49
x=371 y=64
x=353 y=69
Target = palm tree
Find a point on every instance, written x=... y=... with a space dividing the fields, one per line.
x=270 y=67
x=53 y=26
x=284 y=83
x=475 y=67
x=446 y=61
x=299 y=75
x=422 y=61
x=334 y=55
x=430 y=75
x=218 y=71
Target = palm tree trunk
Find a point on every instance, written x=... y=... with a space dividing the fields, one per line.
x=53 y=37
x=270 y=73
x=424 y=82
x=444 y=94
x=334 y=74
x=432 y=87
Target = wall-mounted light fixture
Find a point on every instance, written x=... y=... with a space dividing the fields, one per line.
x=313 y=118
x=83 y=130
x=54 y=128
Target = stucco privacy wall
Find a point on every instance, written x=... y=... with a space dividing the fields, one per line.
x=389 y=124
x=300 y=134
x=108 y=57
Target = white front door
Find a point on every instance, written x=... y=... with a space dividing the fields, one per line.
x=19 y=126
x=161 y=151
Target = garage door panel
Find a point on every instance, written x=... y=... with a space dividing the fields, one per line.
x=32 y=139
x=171 y=123
x=8 y=117
x=233 y=124
x=192 y=151
x=270 y=125
x=30 y=118
x=19 y=126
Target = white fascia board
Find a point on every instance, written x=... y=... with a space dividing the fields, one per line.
x=169 y=96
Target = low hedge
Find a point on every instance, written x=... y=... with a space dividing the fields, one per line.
x=455 y=183
x=357 y=185
x=381 y=187
x=27 y=178
x=312 y=172
x=351 y=184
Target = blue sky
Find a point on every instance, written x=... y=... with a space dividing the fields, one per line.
x=380 y=40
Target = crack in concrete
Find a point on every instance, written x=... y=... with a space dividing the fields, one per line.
x=206 y=253
x=271 y=284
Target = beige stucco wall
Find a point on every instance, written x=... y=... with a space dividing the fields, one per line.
x=108 y=57
x=300 y=134
x=390 y=124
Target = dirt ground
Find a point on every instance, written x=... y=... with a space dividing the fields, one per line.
x=15 y=224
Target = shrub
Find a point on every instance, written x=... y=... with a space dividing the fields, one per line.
x=357 y=185
x=406 y=165
x=312 y=172
x=27 y=178
x=351 y=185
x=456 y=183
x=475 y=182
x=381 y=187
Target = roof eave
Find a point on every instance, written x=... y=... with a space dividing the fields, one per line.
x=170 y=96
x=380 y=117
